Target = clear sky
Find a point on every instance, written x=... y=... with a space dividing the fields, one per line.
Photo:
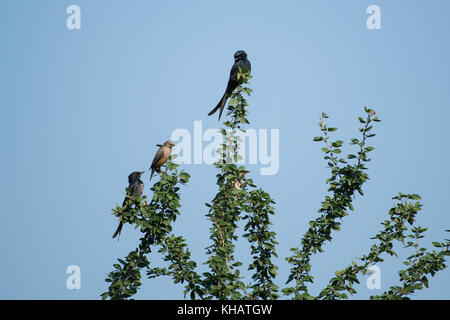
x=81 y=109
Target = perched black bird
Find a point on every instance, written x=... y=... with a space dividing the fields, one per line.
x=135 y=189
x=240 y=60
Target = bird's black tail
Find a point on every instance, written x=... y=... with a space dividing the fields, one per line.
x=119 y=229
x=220 y=106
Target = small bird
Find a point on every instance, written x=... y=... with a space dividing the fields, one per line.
x=240 y=60
x=161 y=157
x=135 y=189
x=238 y=182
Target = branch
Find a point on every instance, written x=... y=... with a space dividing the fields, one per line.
x=344 y=182
x=394 y=229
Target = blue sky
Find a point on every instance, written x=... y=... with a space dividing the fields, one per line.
x=81 y=109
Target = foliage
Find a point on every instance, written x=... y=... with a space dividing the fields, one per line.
x=345 y=180
x=238 y=198
x=154 y=221
x=232 y=202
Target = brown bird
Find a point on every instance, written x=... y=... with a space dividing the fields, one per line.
x=238 y=182
x=161 y=156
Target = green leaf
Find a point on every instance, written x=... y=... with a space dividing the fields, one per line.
x=437 y=244
x=184 y=177
x=337 y=144
x=425 y=281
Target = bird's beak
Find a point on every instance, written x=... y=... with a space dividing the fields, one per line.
x=142 y=172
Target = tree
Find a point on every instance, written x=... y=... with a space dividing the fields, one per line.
x=239 y=199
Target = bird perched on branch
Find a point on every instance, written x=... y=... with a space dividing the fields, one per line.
x=239 y=181
x=161 y=157
x=135 y=190
x=240 y=60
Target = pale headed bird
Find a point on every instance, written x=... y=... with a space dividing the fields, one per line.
x=161 y=156
x=238 y=182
